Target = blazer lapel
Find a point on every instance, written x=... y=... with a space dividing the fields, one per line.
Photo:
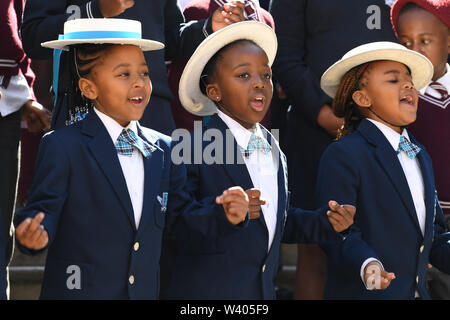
x=104 y=151
x=388 y=160
x=153 y=167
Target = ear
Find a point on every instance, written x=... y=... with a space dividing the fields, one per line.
x=361 y=98
x=88 y=88
x=213 y=92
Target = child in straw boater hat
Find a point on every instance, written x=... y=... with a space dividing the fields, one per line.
x=229 y=78
x=378 y=166
x=101 y=189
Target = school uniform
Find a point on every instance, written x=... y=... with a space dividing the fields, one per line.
x=433 y=116
x=105 y=212
x=399 y=221
x=241 y=264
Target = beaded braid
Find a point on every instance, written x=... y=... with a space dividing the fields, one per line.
x=343 y=104
x=83 y=58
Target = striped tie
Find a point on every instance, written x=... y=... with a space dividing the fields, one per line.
x=439 y=88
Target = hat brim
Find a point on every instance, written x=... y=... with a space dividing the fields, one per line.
x=421 y=68
x=191 y=97
x=145 y=45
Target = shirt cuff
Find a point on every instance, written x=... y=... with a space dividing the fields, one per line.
x=365 y=263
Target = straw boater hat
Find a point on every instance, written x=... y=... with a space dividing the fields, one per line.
x=421 y=68
x=191 y=97
x=440 y=8
x=103 y=30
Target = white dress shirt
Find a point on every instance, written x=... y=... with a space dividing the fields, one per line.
x=263 y=171
x=132 y=166
x=15 y=96
x=413 y=174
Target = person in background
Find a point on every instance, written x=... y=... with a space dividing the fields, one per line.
x=17 y=102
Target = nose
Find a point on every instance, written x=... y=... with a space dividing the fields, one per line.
x=408 y=85
x=417 y=46
x=259 y=82
x=138 y=81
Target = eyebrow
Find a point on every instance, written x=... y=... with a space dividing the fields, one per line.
x=395 y=72
x=245 y=64
x=127 y=65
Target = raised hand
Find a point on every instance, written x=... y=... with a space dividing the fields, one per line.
x=375 y=277
x=340 y=216
x=228 y=14
x=255 y=202
x=235 y=204
x=31 y=234
x=112 y=8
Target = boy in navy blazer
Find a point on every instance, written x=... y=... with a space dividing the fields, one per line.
x=229 y=76
x=101 y=190
x=379 y=167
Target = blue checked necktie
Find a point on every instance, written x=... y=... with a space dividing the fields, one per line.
x=410 y=148
x=256 y=143
x=128 y=140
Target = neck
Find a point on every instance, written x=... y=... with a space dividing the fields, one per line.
x=400 y=127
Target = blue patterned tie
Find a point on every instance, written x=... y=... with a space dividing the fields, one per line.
x=256 y=143
x=410 y=148
x=128 y=140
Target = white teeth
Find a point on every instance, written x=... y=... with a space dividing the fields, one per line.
x=136 y=98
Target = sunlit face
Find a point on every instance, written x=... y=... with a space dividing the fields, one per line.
x=121 y=85
x=243 y=83
x=421 y=31
x=388 y=90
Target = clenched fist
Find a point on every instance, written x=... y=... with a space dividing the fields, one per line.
x=235 y=204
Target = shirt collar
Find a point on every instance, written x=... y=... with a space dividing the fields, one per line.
x=444 y=80
x=392 y=136
x=241 y=134
x=113 y=127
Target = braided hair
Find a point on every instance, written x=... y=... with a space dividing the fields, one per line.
x=83 y=58
x=343 y=105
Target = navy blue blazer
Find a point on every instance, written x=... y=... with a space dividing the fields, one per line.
x=80 y=186
x=363 y=169
x=237 y=265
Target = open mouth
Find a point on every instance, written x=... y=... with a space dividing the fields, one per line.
x=258 y=103
x=136 y=100
x=408 y=99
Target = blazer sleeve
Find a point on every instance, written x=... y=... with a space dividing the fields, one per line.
x=338 y=180
x=182 y=38
x=304 y=226
x=49 y=189
x=290 y=69
x=43 y=21
x=201 y=215
x=440 y=251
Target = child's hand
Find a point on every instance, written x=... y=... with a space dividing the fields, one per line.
x=255 y=202
x=375 y=277
x=36 y=116
x=112 y=8
x=31 y=234
x=341 y=217
x=228 y=14
x=235 y=204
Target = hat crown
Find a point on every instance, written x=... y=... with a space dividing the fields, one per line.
x=91 y=25
x=380 y=45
